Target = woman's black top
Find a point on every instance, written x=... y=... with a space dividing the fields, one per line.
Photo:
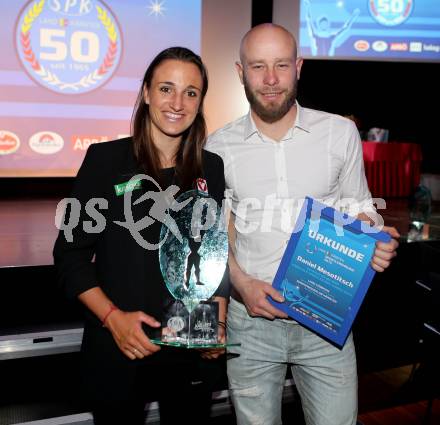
x=128 y=273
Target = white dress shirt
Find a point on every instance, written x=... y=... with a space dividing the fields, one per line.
x=320 y=157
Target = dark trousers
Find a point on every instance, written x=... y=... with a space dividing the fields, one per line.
x=182 y=387
x=118 y=413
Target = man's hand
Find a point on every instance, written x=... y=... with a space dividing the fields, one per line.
x=385 y=251
x=128 y=334
x=254 y=294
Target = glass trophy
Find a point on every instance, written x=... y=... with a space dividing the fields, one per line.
x=193 y=257
x=419 y=213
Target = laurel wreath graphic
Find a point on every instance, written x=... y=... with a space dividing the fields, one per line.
x=50 y=77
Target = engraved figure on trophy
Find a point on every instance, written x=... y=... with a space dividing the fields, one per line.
x=205 y=323
x=175 y=322
x=195 y=242
x=193 y=260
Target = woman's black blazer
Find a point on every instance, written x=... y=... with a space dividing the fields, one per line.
x=128 y=273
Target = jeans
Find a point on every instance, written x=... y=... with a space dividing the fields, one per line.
x=326 y=377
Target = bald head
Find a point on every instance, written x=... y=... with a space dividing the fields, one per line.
x=269 y=35
x=269 y=71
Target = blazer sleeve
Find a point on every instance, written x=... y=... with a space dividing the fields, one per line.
x=224 y=288
x=73 y=255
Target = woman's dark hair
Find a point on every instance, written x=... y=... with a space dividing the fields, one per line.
x=189 y=155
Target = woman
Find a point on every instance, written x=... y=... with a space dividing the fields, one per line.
x=123 y=289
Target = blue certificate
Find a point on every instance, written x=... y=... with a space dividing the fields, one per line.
x=325 y=271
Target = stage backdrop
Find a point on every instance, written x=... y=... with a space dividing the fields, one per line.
x=70 y=71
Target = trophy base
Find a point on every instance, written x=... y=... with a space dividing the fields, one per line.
x=198 y=329
x=194 y=345
x=418 y=231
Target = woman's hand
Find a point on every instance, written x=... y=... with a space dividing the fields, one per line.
x=126 y=328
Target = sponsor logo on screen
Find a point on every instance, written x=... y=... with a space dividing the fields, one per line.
x=415 y=46
x=380 y=46
x=9 y=142
x=81 y=143
x=68 y=46
x=431 y=48
x=399 y=47
x=390 y=12
x=46 y=142
x=361 y=45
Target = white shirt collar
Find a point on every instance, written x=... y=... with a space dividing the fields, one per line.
x=250 y=127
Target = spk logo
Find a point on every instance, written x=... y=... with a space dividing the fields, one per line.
x=68 y=46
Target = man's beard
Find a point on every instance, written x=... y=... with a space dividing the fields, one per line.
x=271 y=113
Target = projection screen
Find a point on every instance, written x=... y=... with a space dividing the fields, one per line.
x=70 y=71
x=380 y=30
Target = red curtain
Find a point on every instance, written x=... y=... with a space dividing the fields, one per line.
x=392 y=169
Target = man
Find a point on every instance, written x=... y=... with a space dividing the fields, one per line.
x=274 y=157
